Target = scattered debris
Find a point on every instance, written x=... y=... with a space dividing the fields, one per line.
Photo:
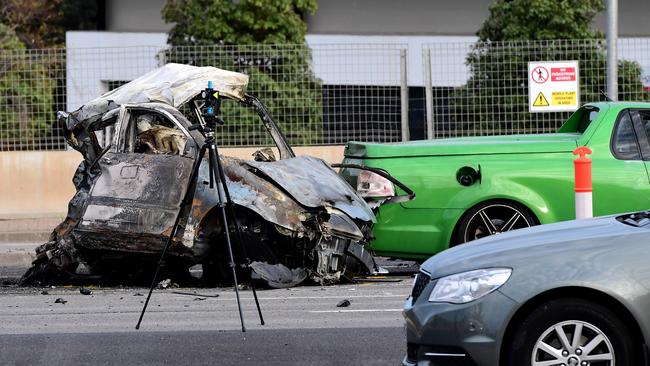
x=138 y=294
x=278 y=275
x=193 y=294
x=60 y=301
x=44 y=292
x=199 y=298
x=85 y=291
x=397 y=267
x=166 y=284
x=376 y=279
x=343 y=303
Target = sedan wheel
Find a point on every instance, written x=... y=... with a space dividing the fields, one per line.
x=572 y=332
x=493 y=218
x=573 y=343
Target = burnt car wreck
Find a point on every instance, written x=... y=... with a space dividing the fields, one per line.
x=299 y=219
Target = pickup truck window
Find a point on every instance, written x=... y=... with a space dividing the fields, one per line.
x=580 y=120
x=624 y=144
x=645 y=121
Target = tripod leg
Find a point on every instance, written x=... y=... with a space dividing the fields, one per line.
x=231 y=210
x=215 y=167
x=195 y=174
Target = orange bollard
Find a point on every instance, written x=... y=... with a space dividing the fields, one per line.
x=582 y=167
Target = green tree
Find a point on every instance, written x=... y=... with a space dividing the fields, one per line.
x=264 y=39
x=495 y=98
x=516 y=20
x=26 y=94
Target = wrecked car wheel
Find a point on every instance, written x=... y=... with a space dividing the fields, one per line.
x=43 y=273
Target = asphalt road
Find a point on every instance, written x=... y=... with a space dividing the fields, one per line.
x=348 y=346
x=303 y=326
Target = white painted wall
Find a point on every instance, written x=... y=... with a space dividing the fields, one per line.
x=97 y=57
x=94 y=58
x=346 y=66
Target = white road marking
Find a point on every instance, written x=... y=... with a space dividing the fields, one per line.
x=355 y=311
x=333 y=297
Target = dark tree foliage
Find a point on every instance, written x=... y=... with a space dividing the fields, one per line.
x=516 y=32
x=26 y=93
x=264 y=39
x=43 y=23
x=30 y=66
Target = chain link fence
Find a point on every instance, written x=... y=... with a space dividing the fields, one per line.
x=481 y=88
x=32 y=89
x=326 y=94
x=323 y=94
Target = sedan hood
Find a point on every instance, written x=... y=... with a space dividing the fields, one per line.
x=515 y=144
x=526 y=245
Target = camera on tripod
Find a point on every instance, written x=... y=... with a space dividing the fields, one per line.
x=209 y=112
x=212 y=107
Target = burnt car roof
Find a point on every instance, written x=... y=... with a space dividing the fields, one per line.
x=171 y=84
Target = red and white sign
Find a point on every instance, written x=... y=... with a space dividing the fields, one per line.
x=539 y=75
x=553 y=86
x=563 y=74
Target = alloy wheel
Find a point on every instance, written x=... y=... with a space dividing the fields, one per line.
x=495 y=219
x=573 y=343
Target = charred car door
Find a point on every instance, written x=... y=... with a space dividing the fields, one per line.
x=144 y=176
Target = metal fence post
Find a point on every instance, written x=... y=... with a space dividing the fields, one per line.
x=612 y=59
x=404 y=96
x=428 y=92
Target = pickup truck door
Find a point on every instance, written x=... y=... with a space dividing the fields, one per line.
x=138 y=194
x=620 y=180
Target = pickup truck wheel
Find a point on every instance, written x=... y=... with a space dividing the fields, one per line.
x=490 y=218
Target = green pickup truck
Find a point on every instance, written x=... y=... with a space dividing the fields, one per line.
x=468 y=188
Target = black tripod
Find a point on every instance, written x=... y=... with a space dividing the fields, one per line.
x=210 y=116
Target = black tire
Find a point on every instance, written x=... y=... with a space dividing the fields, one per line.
x=594 y=320
x=503 y=216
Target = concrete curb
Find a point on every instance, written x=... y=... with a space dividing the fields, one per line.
x=24 y=237
x=16 y=259
x=19 y=237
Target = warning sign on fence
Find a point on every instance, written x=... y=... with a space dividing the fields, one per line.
x=553 y=86
x=540 y=101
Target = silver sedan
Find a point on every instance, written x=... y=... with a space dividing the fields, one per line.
x=575 y=293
